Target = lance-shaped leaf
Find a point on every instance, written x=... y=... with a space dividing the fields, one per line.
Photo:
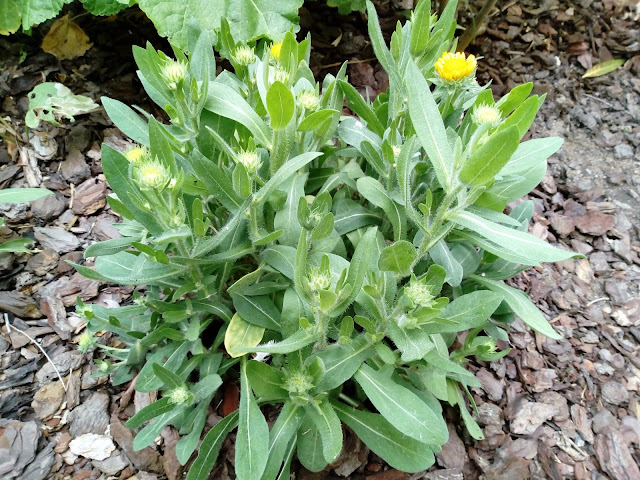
x=521 y=305
x=241 y=334
x=252 y=442
x=397 y=449
x=485 y=162
x=398 y=258
x=374 y=191
x=402 y=408
x=210 y=447
x=280 y=438
x=329 y=426
x=428 y=124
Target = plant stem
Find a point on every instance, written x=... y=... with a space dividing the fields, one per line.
x=471 y=31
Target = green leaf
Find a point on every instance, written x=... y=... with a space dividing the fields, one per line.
x=521 y=305
x=428 y=124
x=168 y=378
x=103 y=7
x=361 y=263
x=34 y=12
x=309 y=442
x=398 y=258
x=283 y=173
x=398 y=450
x=216 y=181
x=210 y=447
x=127 y=269
x=22 y=195
x=280 y=104
x=17 y=245
x=530 y=154
x=170 y=357
x=520 y=243
x=267 y=382
x=360 y=107
x=329 y=426
x=342 y=361
x=280 y=437
x=128 y=121
x=228 y=103
x=153 y=410
x=514 y=98
x=9 y=16
x=257 y=310
x=523 y=117
x=281 y=258
x=414 y=343
x=441 y=255
x=188 y=443
x=252 y=441
x=292 y=343
x=402 y=408
x=241 y=333
x=252 y=19
x=286 y=219
x=374 y=191
x=471 y=310
x=148 y=434
x=420 y=28
x=51 y=101
x=354 y=132
x=485 y=162
x=316 y=119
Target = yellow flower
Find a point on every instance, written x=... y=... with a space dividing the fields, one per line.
x=275 y=50
x=152 y=174
x=453 y=67
x=134 y=154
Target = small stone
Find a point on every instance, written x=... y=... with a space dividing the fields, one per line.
x=18 y=444
x=91 y=416
x=90 y=445
x=47 y=400
x=75 y=169
x=56 y=238
x=43 y=261
x=19 y=304
x=490 y=384
x=614 y=393
x=603 y=420
x=453 y=454
x=595 y=223
x=623 y=150
x=48 y=208
x=614 y=456
x=112 y=465
x=90 y=196
x=64 y=362
x=489 y=414
x=582 y=422
x=630 y=430
x=530 y=416
x=615 y=359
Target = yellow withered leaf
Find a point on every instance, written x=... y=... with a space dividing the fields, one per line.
x=604 y=68
x=66 y=40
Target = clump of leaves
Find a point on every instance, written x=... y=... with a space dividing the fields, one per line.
x=328 y=262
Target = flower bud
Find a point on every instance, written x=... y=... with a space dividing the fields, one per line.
x=486 y=114
x=299 y=383
x=249 y=159
x=86 y=342
x=308 y=99
x=418 y=293
x=136 y=153
x=180 y=395
x=244 y=55
x=319 y=280
x=152 y=174
x=281 y=75
x=174 y=73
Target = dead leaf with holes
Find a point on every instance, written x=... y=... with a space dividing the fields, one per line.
x=66 y=40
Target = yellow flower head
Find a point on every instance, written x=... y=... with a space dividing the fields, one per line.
x=453 y=67
x=275 y=50
x=135 y=154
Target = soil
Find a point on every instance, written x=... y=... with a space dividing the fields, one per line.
x=550 y=409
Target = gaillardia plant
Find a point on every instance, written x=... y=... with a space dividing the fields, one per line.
x=342 y=268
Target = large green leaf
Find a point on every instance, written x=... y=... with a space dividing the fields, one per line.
x=402 y=408
x=34 y=12
x=280 y=104
x=252 y=442
x=103 y=7
x=328 y=424
x=485 y=162
x=9 y=16
x=521 y=305
x=210 y=447
x=280 y=437
x=374 y=191
x=428 y=124
x=253 y=19
x=342 y=361
x=520 y=243
x=397 y=449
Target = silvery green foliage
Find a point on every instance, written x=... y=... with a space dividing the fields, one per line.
x=327 y=261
